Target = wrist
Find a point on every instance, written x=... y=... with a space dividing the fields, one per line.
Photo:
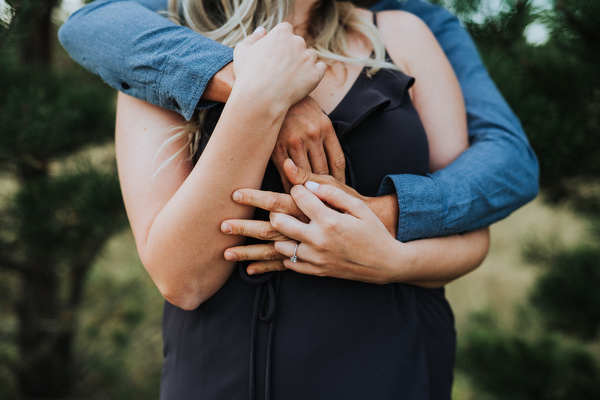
x=403 y=262
x=261 y=98
x=386 y=209
x=253 y=106
x=219 y=87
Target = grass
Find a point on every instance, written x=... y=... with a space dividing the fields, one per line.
x=501 y=284
x=503 y=280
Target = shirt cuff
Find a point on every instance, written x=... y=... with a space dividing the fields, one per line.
x=421 y=205
x=187 y=84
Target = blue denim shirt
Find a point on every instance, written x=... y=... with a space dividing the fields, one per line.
x=146 y=56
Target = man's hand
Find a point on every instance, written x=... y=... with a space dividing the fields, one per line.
x=308 y=138
x=385 y=208
x=219 y=86
x=332 y=243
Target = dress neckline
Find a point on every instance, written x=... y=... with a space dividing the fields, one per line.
x=362 y=73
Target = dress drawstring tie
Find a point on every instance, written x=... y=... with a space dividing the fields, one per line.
x=265 y=305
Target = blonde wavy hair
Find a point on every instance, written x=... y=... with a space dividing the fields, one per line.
x=230 y=21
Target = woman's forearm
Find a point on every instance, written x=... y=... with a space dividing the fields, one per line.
x=188 y=225
x=341 y=235
x=438 y=261
x=176 y=212
x=345 y=239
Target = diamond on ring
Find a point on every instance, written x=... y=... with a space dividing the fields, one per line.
x=294 y=258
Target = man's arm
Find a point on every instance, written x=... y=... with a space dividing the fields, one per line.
x=495 y=176
x=149 y=57
x=143 y=54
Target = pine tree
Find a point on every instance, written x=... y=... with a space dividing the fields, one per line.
x=59 y=204
x=554 y=87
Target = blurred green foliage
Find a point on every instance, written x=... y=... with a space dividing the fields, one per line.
x=60 y=200
x=554 y=87
x=60 y=206
x=532 y=364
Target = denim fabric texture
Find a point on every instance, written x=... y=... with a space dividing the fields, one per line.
x=140 y=52
x=143 y=54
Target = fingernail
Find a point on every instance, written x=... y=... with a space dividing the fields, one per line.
x=230 y=256
x=311 y=185
x=237 y=196
x=258 y=29
x=251 y=271
x=294 y=167
x=226 y=228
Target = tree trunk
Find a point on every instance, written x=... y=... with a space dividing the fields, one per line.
x=36 y=44
x=45 y=337
x=46 y=328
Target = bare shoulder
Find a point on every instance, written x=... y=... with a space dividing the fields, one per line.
x=406 y=37
x=401 y=22
x=363 y=13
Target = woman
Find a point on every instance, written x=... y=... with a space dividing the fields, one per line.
x=286 y=334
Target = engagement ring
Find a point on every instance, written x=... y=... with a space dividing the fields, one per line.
x=294 y=258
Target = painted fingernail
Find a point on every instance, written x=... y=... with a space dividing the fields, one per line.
x=226 y=228
x=230 y=256
x=311 y=185
x=237 y=196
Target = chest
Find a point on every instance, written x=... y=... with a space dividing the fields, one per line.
x=335 y=85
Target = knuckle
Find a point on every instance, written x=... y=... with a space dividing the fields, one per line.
x=302 y=176
x=265 y=232
x=239 y=229
x=339 y=162
x=275 y=221
x=279 y=153
x=297 y=194
x=269 y=253
x=299 y=40
x=283 y=26
x=328 y=179
x=279 y=266
x=320 y=272
x=296 y=143
x=322 y=260
x=319 y=243
x=273 y=203
x=329 y=223
x=327 y=126
x=313 y=131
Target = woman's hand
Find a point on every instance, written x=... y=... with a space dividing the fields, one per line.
x=265 y=256
x=325 y=247
x=344 y=238
x=385 y=207
x=275 y=68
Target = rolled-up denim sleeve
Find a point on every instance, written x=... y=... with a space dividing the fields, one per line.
x=495 y=176
x=141 y=53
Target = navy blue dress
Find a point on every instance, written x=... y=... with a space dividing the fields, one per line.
x=290 y=336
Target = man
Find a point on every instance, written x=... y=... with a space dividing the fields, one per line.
x=146 y=56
